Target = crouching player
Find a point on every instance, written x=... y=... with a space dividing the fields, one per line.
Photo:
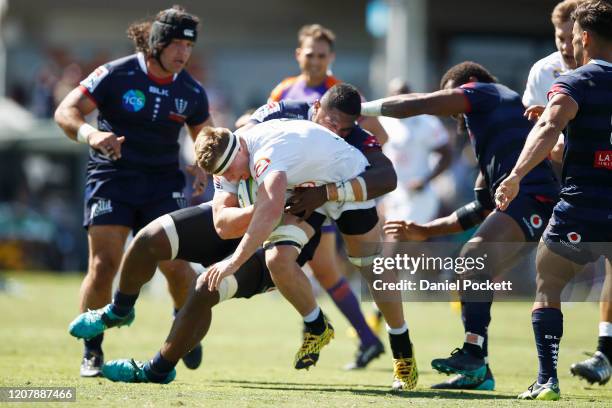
x=173 y=236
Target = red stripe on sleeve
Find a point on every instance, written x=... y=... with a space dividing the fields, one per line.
x=85 y=92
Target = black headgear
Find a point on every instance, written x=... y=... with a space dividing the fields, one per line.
x=170 y=25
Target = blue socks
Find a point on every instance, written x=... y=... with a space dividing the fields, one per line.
x=158 y=368
x=476 y=317
x=122 y=303
x=547 y=329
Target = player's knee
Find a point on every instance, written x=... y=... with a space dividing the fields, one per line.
x=473 y=255
x=203 y=295
x=280 y=258
x=103 y=267
x=152 y=242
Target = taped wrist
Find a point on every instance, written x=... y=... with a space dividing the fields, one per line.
x=470 y=215
x=352 y=190
x=83 y=133
x=372 y=108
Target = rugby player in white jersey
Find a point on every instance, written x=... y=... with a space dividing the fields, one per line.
x=281 y=155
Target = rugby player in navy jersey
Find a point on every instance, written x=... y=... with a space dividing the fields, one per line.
x=181 y=234
x=579 y=229
x=133 y=176
x=493 y=115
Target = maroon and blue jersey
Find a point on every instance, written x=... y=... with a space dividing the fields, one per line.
x=586 y=192
x=498 y=130
x=359 y=138
x=150 y=113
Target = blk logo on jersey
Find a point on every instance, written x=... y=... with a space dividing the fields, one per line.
x=133 y=100
x=155 y=90
x=574 y=237
x=261 y=166
x=536 y=221
x=603 y=159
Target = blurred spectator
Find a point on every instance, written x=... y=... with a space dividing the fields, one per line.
x=43 y=104
x=71 y=75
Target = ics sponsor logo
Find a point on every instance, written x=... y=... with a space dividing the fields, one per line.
x=133 y=100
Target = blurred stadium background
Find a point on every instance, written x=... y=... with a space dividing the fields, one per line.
x=245 y=48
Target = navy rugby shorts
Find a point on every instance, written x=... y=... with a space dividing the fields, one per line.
x=531 y=212
x=132 y=199
x=579 y=241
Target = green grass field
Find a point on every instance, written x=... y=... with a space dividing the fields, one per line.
x=249 y=352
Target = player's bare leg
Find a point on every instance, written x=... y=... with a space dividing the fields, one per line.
x=361 y=250
x=499 y=240
x=105 y=249
x=327 y=270
x=149 y=248
x=180 y=276
x=295 y=287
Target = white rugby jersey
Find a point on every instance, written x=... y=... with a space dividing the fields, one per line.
x=308 y=153
x=541 y=77
x=411 y=141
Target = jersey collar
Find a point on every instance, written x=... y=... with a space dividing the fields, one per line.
x=600 y=62
x=143 y=66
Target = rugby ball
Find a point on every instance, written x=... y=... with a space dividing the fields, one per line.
x=247 y=192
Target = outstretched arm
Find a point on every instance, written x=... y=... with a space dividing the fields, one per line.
x=446 y=102
x=462 y=219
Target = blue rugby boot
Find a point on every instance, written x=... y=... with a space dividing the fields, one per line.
x=463 y=382
x=461 y=362
x=93 y=322
x=132 y=371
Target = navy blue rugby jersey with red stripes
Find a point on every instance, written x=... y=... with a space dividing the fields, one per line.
x=150 y=113
x=586 y=191
x=359 y=138
x=498 y=130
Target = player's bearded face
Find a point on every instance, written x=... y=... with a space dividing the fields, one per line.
x=563 y=41
x=175 y=56
x=314 y=57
